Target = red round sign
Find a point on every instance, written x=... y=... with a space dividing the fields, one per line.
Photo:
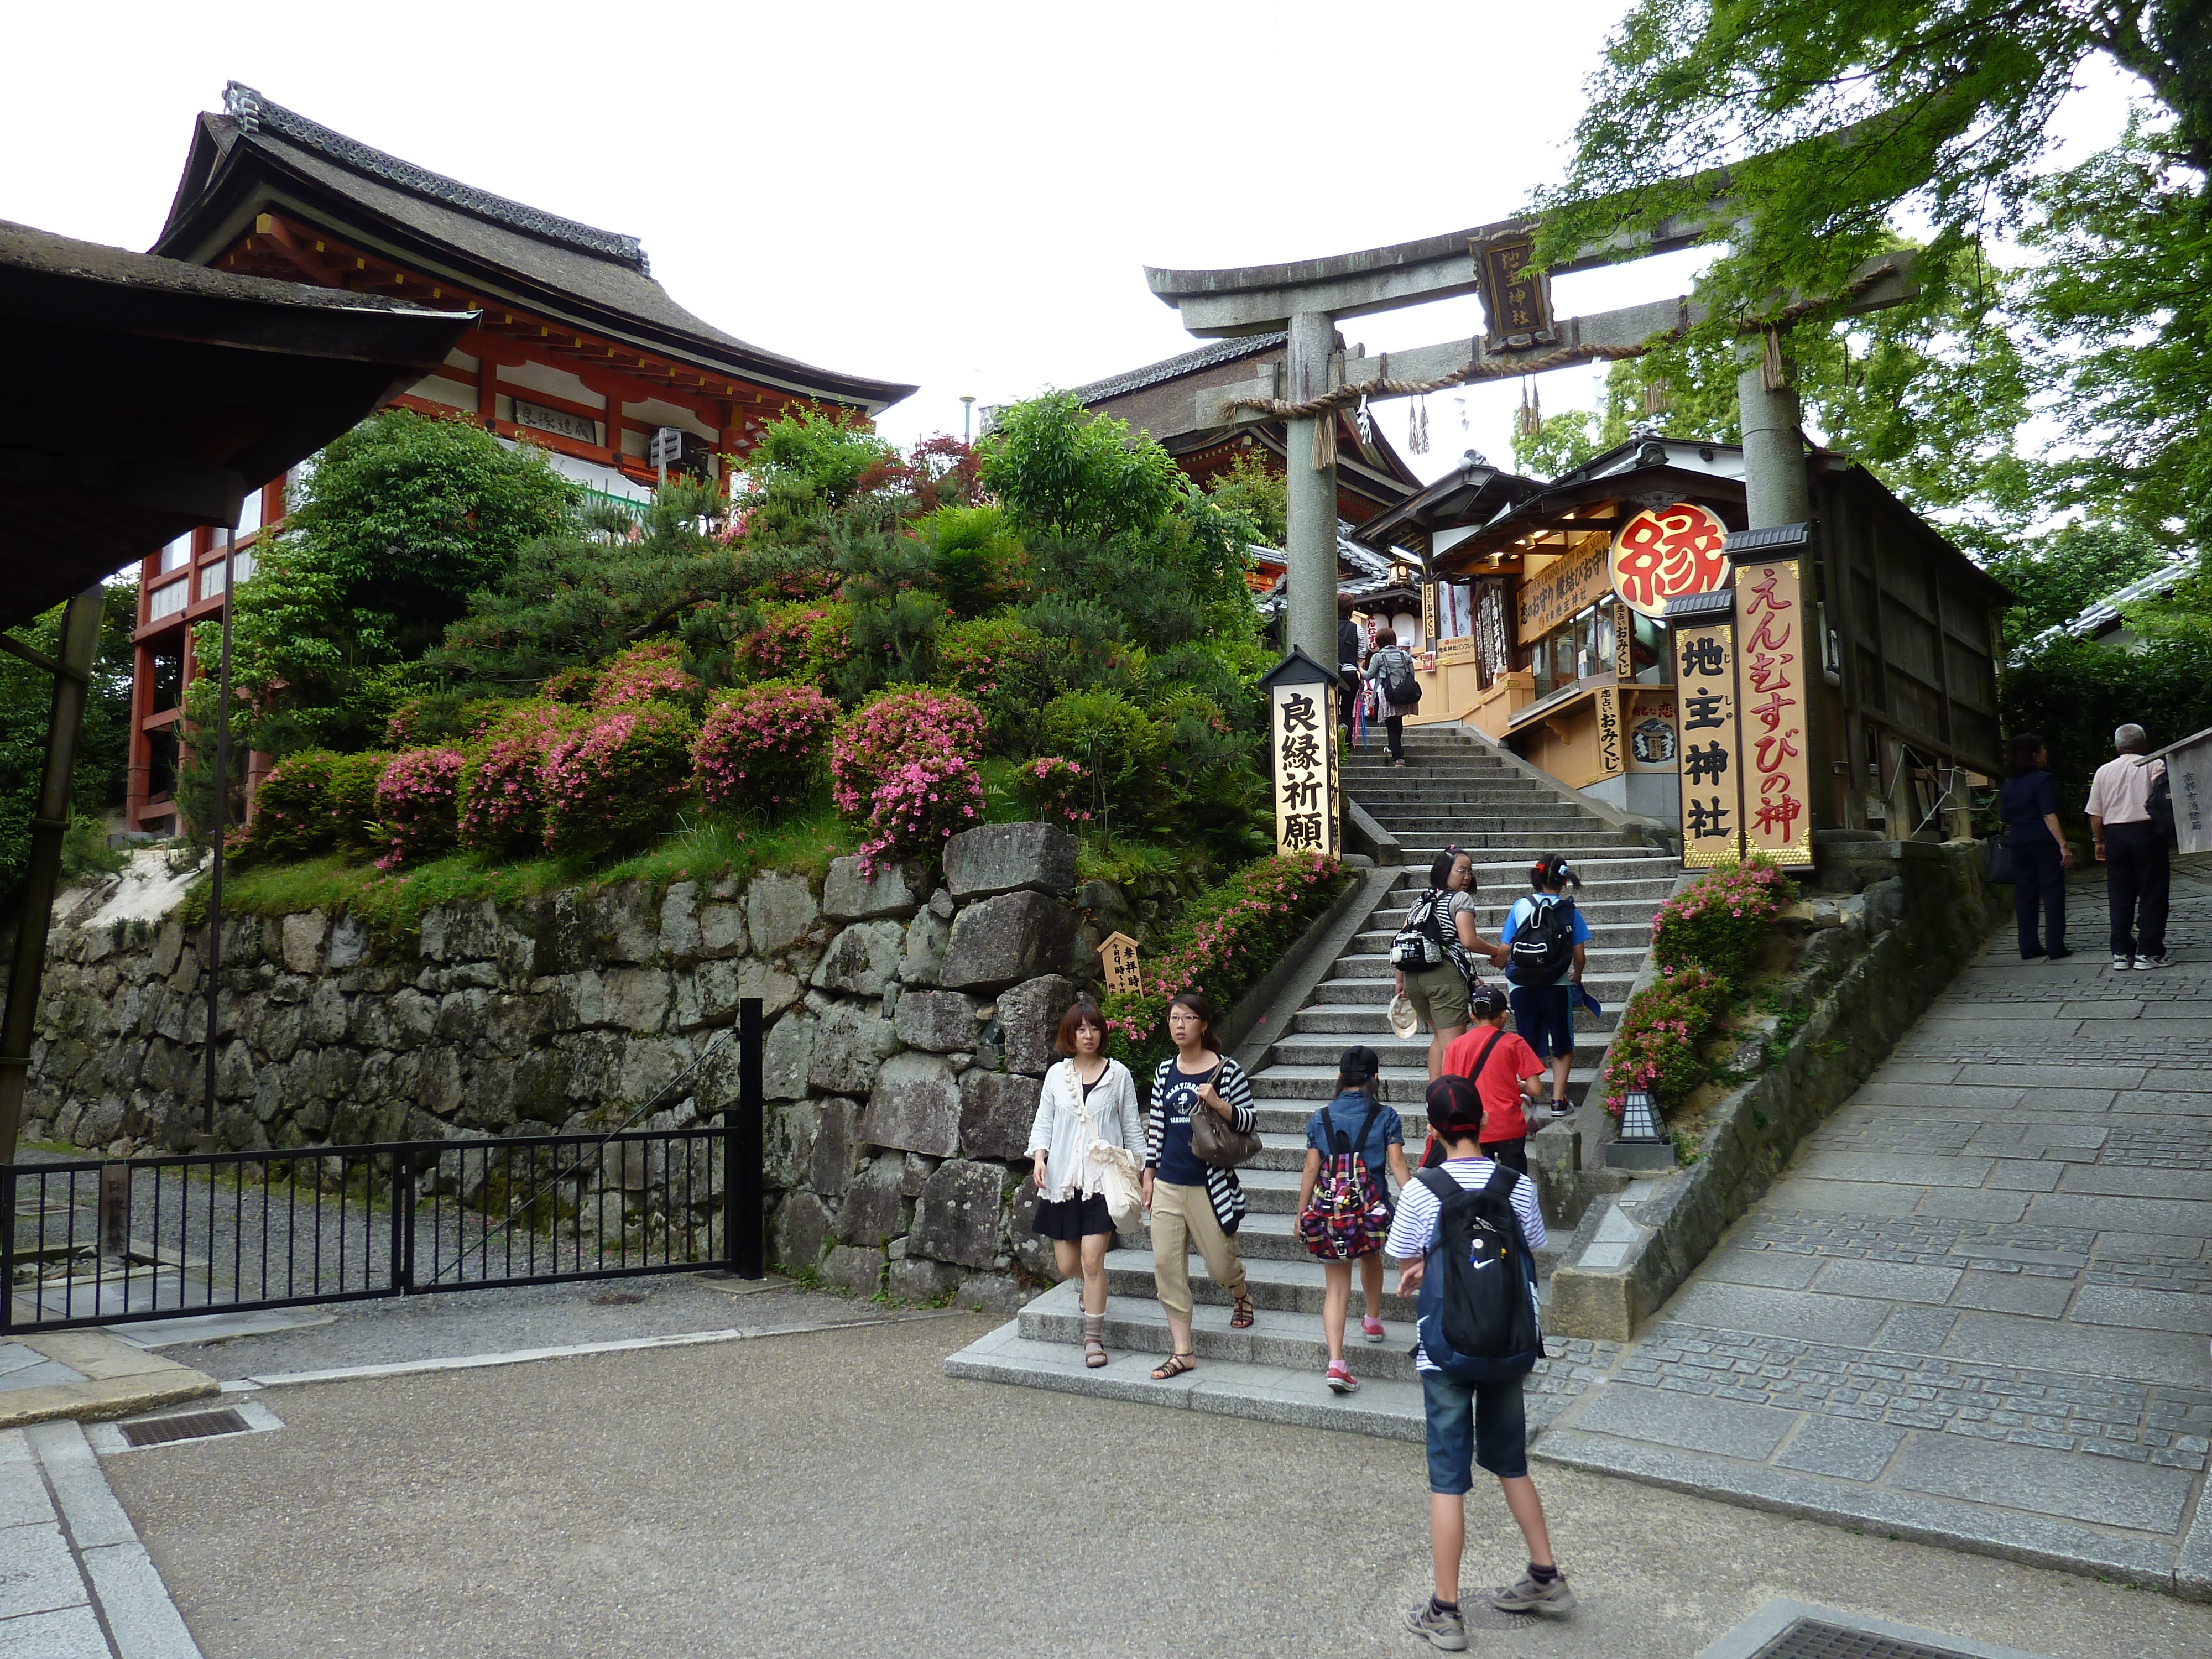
x=1666 y=550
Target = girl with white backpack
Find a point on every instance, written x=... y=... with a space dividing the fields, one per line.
x=1087 y=1146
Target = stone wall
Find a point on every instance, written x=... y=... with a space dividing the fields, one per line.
x=908 y=1030
x=1885 y=927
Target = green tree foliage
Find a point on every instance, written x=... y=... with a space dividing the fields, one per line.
x=1059 y=467
x=27 y=700
x=2054 y=578
x=1251 y=487
x=824 y=454
x=398 y=522
x=2076 y=693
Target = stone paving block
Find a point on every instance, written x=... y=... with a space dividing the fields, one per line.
x=2143 y=1310
x=1805 y=1316
x=2140 y=1215
x=1687 y=1421
x=1888 y=1280
x=65 y=1634
x=2101 y=1008
x=37 y=1573
x=2110 y=1244
x=2036 y=1078
x=1999 y=1137
x=1917 y=1071
x=2022 y=1175
x=2088 y=1351
x=1840 y=1447
x=2015 y=1293
x=2074 y=1096
x=1974 y=1205
x=1855 y=1197
x=23 y=1500
x=1917 y=1330
x=2167 y=1101
x=1923 y=1094
x=2123 y=1182
x=2155 y=1027
x=2141 y=1496
x=1778 y=1268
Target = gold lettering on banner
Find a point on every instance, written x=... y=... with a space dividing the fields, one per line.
x=1118 y=952
x=1778 y=784
x=1608 y=732
x=1429 y=612
x=1712 y=742
x=1568 y=583
x=1302 y=731
x=1624 y=643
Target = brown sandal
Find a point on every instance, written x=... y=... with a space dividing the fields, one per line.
x=1240 y=1320
x=1174 y=1366
x=1094 y=1352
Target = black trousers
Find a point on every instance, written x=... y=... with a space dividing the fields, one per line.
x=2038 y=882
x=2135 y=878
x=1394 y=725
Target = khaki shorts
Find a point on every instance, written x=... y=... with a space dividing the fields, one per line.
x=1439 y=997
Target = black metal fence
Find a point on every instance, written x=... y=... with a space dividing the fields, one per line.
x=115 y=1241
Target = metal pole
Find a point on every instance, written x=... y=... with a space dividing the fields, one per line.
x=1311 y=618
x=744 y=1215
x=72 y=676
x=222 y=816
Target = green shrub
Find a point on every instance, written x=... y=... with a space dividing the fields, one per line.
x=1655 y=1046
x=1719 y=924
x=614 y=781
x=293 y=815
x=353 y=779
x=1117 y=743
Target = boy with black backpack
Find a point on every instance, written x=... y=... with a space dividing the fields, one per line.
x=1466 y=1232
x=1545 y=936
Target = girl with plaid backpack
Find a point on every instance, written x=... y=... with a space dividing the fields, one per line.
x=1344 y=1208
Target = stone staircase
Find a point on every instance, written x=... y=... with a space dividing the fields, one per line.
x=1456 y=791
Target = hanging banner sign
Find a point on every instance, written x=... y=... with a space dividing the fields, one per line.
x=1711 y=740
x=1624 y=643
x=1777 y=815
x=1302 y=731
x=1561 y=590
x=1610 y=761
x=1665 y=552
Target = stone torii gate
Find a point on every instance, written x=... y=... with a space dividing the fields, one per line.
x=1310 y=297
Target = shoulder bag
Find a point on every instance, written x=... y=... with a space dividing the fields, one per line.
x=1432 y=1152
x=1214 y=1140
x=1117 y=1170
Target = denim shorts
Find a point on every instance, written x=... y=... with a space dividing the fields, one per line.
x=1472 y=1423
x=1544 y=1016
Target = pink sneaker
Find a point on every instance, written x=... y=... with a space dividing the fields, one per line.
x=1371 y=1329
x=1340 y=1377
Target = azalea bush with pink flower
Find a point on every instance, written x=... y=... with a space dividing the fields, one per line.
x=641 y=674
x=891 y=728
x=501 y=810
x=928 y=799
x=613 y=781
x=763 y=747
x=1054 y=790
x=796 y=640
x=1719 y=924
x=1656 y=1045
x=292 y=815
x=415 y=803
x=1228 y=939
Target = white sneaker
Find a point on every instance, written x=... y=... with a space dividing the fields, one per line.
x=2121 y=964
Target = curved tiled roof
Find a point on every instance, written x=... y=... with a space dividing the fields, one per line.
x=1217 y=351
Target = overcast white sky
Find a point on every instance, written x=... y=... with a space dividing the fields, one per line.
x=962 y=195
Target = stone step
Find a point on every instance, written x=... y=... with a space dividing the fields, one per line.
x=1282 y=1284
x=1285 y=1085
x=1370 y=1023
x=1374 y=990
x=1292 y=1340
x=1375 y=964
x=1449 y=816
x=1515 y=846
x=1614 y=863
x=1626 y=934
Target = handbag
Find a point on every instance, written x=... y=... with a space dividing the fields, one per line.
x=1117 y=1170
x=1347 y=1216
x=1216 y=1142
x=1997 y=863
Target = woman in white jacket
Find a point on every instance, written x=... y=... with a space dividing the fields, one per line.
x=1072 y=1209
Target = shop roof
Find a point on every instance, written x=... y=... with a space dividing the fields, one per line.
x=258 y=156
x=1209 y=355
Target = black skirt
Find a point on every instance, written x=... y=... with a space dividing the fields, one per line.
x=1073 y=1218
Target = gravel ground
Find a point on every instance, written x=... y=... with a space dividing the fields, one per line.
x=836 y=1494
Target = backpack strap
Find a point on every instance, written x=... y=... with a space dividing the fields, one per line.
x=1438 y=1183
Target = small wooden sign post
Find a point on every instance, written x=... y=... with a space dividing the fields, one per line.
x=1302 y=737
x=1118 y=952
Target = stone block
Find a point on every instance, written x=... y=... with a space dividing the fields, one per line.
x=849 y=896
x=1004 y=940
x=787 y=1145
x=1842 y=1447
x=722 y=930
x=918 y=1172
x=800 y=1230
x=1029 y=1016
x=957 y=1218
x=996 y=1111
x=850 y=1267
x=850 y=1046
x=1004 y=858
x=780 y=909
x=348 y=944
x=787 y=1056
x=636 y=999
x=991 y=1293
x=304 y=935
x=916 y=1278
x=1691 y=1422
x=626 y=924
x=679 y=921
x=913 y=1107
x=926 y=939
x=2101 y=1491
x=862 y=960
x=836 y=1143
x=1019 y=1239
x=875 y=1211
x=940 y=1021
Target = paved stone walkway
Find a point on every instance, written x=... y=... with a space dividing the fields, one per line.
x=1975 y=1306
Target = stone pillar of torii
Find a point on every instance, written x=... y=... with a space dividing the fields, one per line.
x=1309 y=297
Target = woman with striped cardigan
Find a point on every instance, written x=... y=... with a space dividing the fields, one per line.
x=1192 y=1202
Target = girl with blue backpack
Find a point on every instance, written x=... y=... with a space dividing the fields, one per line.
x=1344 y=1210
x=1466 y=1232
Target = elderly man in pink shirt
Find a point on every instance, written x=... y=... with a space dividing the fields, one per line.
x=2132 y=847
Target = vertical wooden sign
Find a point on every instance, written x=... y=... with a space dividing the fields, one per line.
x=1429 y=634
x=1302 y=733
x=1611 y=761
x=1711 y=739
x=1624 y=643
x=1771 y=674
x=1118 y=953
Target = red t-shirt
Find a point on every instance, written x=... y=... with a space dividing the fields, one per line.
x=1499 y=1085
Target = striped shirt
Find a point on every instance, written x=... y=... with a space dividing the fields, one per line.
x=1222 y=1190
x=1413 y=1228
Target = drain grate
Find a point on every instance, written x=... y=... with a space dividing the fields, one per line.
x=185 y=1425
x=1814 y=1638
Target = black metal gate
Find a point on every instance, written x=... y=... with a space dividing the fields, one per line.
x=107 y=1242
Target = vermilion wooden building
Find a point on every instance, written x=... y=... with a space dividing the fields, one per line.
x=579 y=350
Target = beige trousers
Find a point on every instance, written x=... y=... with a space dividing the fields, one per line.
x=1182 y=1216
